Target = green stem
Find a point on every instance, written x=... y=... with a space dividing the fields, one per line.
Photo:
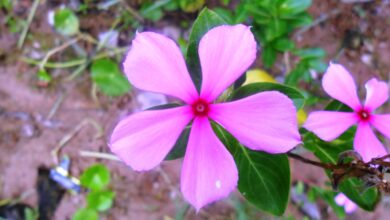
x=27 y=26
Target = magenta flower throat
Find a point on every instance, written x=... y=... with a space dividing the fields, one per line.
x=264 y=121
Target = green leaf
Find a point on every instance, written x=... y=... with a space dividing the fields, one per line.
x=30 y=214
x=109 y=78
x=100 y=200
x=336 y=105
x=44 y=76
x=85 y=214
x=206 y=20
x=300 y=20
x=317 y=65
x=283 y=44
x=180 y=146
x=66 y=22
x=309 y=53
x=6 y=4
x=295 y=76
x=153 y=10
x=276 y=28
x=292 y=7
x=268 y=56
x=191 y=5
x=351 y=187
x=264 y=179
x=95 y=177
x=225 y=14
x=254 y=88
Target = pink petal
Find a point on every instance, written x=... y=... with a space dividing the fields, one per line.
x=344 y=201
x=382 y=123
x=367 y=144
x=350 y=206
x=377 y=94
x=142 y=140
x=265 y=121
x=155 y=63
x=340 y=199
x=328 y=125
x=339 y=84
x=225 y=53
x=209 y=172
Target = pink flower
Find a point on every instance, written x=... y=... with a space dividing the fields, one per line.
x=265 y=121
x=344 y=201
x=328 y=125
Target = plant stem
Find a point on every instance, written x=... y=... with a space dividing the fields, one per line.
x=27 y=26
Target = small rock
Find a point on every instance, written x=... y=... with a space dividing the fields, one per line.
x=150 y=99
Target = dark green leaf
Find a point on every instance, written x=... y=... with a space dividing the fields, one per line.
x=180 y=147
x=165 y=106
x=276 y=28
x=292 y=7
x=351 y=187
x=100 y=200
x=264 y=179
x=108 y=77
x=335 y=105
x=95 y=177
x=283 y=44
x=295 y=76
x=254 y=88
x=206 y=20
x=85 y=214
x=66 y=22
x=268 y=56
x=300 y=20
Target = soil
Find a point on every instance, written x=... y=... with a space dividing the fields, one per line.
x=30 y=129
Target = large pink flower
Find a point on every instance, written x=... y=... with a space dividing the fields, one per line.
x=265 y=121
x=328 y=125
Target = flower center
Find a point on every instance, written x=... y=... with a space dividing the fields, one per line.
x=364 y=115
x=200 y=108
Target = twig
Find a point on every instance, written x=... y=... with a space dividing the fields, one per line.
x=286 y=58
x=76 y=62
x=316 y=22
x=312 y=162
x=69 y=136
x=27 y=26
x=99 y=155
x=57 y=49
x=55 y=107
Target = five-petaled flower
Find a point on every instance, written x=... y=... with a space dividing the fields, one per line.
x=328 y=125
x=265 y=121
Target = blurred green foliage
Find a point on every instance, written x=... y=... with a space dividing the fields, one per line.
x=66 y=22
x=99 y=198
